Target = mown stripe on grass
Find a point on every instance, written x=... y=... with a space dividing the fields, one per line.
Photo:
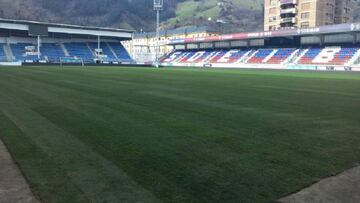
x=95 y=176
x=47 y=179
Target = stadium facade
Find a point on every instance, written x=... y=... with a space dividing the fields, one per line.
x=36 y=42
x=331 y=47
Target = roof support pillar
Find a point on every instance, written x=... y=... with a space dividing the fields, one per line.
x=322 y=40
x=38 y=46
x=99 y=42
x=354 y=38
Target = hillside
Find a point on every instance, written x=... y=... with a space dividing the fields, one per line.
x=135 y=14
x=113 y=13
x=237 y=15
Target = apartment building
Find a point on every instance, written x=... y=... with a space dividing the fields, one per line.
x=283 y=14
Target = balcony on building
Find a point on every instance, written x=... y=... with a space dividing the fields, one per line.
x=290 y=20
x=288 y=2
x=288 y=11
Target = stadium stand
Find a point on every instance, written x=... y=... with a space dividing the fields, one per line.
x=120 y=52
x=2 y=53
x=314 y=56
x=281 y=56
x=52 y=52
x=202 y=56
x=309 y=56
x=80 y=50
x=344 y=55
x=206 y=56
x=229 y=56
x=20 y=53
x=171 y=57
x=108 y=54
x=328 y=55
x=188 y=57
x=260 y=56
x=329 y=47
x=217 y=55
x=23 y=42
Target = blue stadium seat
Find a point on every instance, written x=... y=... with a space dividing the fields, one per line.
x=53 y=52
x=237 y=56
x=310 y=55
x=281 y=55
x=106 y=51
x=323 y=55
x=120 y=52
x=218 y=56
x=80 y=50
x=2 y=53
x=203 y=57
x=208 y=56
x=19 y=52
x=260 y=56
x=187 y=56
x=345 y=54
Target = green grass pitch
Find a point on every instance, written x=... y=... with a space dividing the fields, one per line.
x=177 y=135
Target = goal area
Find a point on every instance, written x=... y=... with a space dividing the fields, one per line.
x=71 y=61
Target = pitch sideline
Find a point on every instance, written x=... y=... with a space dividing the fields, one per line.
x=343 y=187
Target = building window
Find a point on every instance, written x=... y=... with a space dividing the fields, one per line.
x=305 y=6
x=330 y=16
x=272 y=11
x=305 y=25
x=305 y=15
x=273 y=2
x=330 y=7
x=272 y=27
x=272 y=19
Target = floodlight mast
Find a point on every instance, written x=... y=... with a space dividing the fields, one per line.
x=158 y=6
